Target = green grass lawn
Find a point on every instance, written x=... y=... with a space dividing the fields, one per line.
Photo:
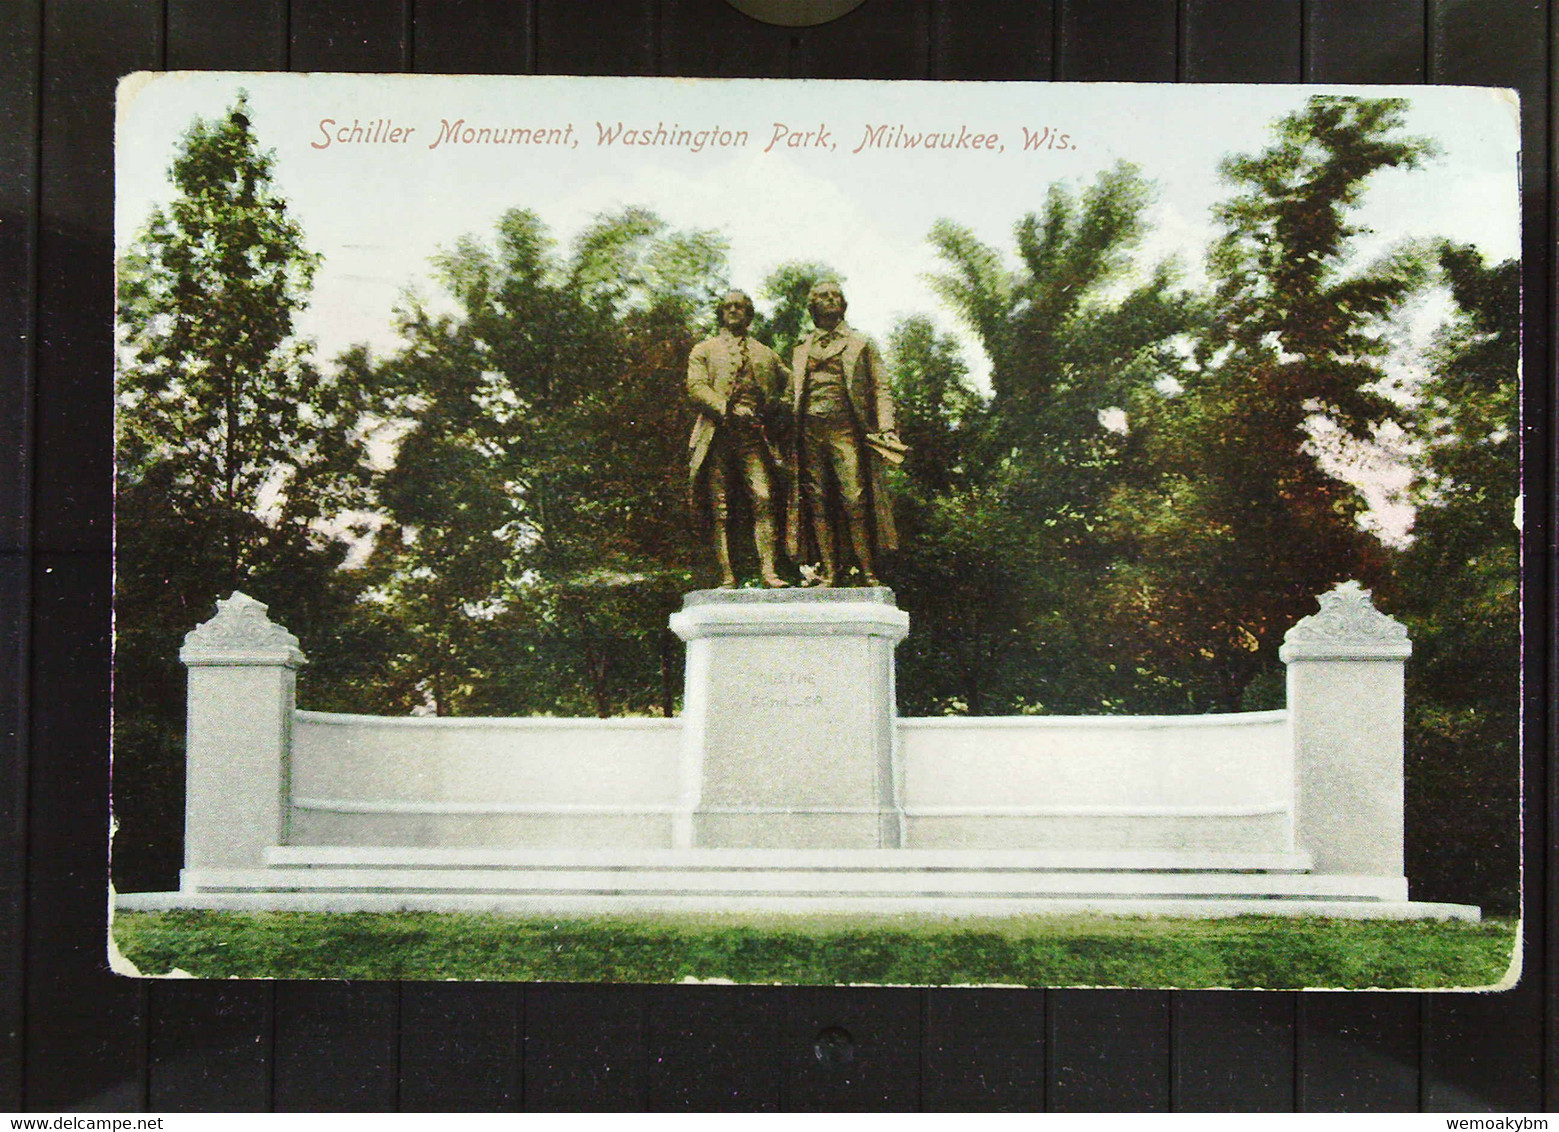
x=1247 y=951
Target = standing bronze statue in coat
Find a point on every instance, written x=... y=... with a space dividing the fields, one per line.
x=736 y=382
x=844 y=432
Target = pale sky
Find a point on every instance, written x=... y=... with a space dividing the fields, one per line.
x=378 y=211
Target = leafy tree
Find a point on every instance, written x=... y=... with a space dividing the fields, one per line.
x=1233 y=523
x=537 y=536
x=218 y=390
x=787 y=287
x=238 y=460
x=1067 y=347
x=1458 y=587
x=949 y=571
x=937 y=408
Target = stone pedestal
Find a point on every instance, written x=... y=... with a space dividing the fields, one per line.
x=1345 y=703
x=789 y=719
x=242 y=679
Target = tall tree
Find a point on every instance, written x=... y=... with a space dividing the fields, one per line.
x=537 y=536
x=1458 y=588
x=1233 y=523
x=787 y=287
x=239 y=462
x=1070 y=334
x=955 y=570
x=217 y=390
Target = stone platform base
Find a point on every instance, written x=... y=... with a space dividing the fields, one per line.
x=921 y=882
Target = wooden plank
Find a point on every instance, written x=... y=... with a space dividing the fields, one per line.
x=209 y=1048
x=350 y=35
x=21 y=62
x=89 y=45
x=1543 y=643
x=237 y=35
x=709 y=37
x=875 y=41
x=475 y=37
x=85 y=1033
x=1233 y=1052
x=1483 y=1053
x=1364 y=41
x=1240 y=41
x=15 y=592
x=984 y=1051
x=460 y=1047
x=1358 y=1053
x=584 y=1048
x=714 y=1048
x=1499 y=43
x=1117 y=41
x=336 y=1047
x=1486 y=1051
x=993 y=39
x=619 y=38
x=1109 y=1051
x=852 y=1049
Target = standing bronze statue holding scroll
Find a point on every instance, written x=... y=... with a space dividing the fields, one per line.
x=844 y=436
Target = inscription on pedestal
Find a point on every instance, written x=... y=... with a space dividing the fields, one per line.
x=789 y=718
x=786 y=691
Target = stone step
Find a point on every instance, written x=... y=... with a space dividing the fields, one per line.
x=935 y=883
x=930 y=907
x=782 y=881
x=830 y=860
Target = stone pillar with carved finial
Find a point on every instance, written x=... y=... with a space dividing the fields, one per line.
x=238 y=738
x=1345 y=703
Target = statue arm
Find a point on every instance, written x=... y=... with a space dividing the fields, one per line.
x=792 y=381
x=776 y=378
x=700 y=387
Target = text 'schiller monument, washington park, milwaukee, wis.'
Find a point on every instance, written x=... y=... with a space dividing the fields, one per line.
x=790 y=782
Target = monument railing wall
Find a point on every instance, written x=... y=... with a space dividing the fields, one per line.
x=1321 y=780
x=1000 y=782
x=427 y=781
x=1203 y=782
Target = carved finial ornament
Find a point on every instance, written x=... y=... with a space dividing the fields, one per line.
x=1348 y=627
x=241 y=633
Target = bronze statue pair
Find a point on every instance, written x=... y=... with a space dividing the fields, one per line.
x=834 y=409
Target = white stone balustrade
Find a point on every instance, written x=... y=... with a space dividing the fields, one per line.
x=790 y=783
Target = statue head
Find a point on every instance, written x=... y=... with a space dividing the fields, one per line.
x=826 y=303
x=735 y=312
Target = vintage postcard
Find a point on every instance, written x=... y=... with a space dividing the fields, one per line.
x=816 y=532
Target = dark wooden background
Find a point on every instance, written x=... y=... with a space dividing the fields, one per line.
x=72 y=1036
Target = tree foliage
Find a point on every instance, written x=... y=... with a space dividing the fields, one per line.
x=1071 y=334
x=1233 y=524
x=535 y=536
x=1457 y=586
x=239 y=461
